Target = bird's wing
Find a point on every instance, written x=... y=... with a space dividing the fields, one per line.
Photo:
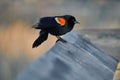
x=47 y=22
x=42 y=37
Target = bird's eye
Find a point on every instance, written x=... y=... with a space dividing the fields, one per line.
x=73 y=19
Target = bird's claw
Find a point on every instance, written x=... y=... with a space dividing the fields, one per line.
x=62 y=40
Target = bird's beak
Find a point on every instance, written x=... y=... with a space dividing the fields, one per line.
x=76 y=22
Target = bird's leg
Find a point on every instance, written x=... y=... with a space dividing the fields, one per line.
x=60 y=39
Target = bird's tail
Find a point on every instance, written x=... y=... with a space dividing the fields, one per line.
x=36 y=26
x=42 y=37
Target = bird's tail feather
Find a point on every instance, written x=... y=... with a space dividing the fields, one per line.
x=42 y=37
x=36 y=26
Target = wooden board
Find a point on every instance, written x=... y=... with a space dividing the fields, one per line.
x=78 y=59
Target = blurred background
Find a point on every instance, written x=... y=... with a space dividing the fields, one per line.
x=99 y=22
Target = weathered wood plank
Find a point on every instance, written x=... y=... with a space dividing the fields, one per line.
x=78 y=59
x=106 y=39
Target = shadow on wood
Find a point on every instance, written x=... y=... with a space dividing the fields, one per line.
x=78 y=59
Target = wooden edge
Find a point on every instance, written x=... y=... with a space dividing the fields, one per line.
x=117 y=73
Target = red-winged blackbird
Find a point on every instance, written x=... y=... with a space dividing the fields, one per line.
x=56 y=25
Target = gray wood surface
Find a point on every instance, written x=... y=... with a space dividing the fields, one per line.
x=78 y=59
x=106 y=39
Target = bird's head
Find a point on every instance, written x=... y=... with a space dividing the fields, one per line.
x=71 y=20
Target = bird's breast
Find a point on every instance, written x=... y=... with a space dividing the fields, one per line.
x=59 y=30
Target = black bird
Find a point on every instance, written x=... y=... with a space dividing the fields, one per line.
x=56 y=25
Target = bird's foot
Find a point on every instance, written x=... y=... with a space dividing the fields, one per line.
x=62 y=40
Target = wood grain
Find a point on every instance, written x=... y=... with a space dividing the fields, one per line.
x=78 y=59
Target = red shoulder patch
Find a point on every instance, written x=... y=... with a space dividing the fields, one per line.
x=61 y=21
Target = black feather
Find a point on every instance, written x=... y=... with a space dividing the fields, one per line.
x=42 y=37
